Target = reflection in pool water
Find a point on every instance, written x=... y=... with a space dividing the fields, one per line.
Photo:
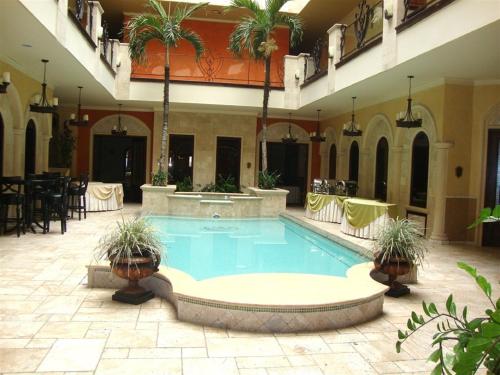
x=206 y=248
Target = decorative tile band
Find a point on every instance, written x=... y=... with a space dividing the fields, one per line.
x=273 y=309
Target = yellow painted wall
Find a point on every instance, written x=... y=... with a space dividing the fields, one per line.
x=26 y=86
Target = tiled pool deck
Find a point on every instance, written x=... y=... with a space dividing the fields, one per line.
x=50 y=322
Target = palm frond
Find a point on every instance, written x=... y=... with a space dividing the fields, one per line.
x=195 y=41
x=138 y=43
x=243 y=36
x=182 y=13
x=295 y=26
x=273 y=7
x=251 y=5
x=158 y=8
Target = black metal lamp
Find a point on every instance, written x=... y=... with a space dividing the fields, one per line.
x=289 y=138
x=43 y=105
x=5 y=82
x=408 y=119
x=351 y=128
x=119 y=129
x=78 y=119
x=317 y=136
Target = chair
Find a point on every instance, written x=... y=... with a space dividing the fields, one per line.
x=37 y=200
x=11 y=195
x=78 y=202
x=57 y=203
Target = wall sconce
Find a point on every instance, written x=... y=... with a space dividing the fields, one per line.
x=297 y=75
x=5 y=82
x=388 y=11
x=459 y=171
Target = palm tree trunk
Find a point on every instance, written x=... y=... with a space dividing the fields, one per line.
x=267 y=89
x=166 y=105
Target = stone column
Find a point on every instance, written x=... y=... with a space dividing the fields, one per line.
x=19 y=140
x=440 y=187
x=334 y=53
x=97 y=12
x=123 y=72
x=393 y=13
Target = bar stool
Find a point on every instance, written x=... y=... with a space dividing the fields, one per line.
x=11 y=195
x=78 y=201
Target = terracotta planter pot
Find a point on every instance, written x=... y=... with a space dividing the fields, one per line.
x=416 y=4
x=133 y=270
x=393 y=267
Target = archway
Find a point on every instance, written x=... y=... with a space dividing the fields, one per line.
x=420 y=171
x=30 y=149
x=354 y=161
x=381 y=169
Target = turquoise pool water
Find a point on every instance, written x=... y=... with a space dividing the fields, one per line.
x=206 y=248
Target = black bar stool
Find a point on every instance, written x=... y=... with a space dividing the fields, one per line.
x=78 y=201
x=11 y=195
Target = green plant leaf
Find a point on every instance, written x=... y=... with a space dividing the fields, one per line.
x=401 y=335
x=475 y=323
x=496 y=315
x=410 y=325
x=449 y=303
x=484 y=285
x=467 y=268
x=464 y=314
x=478 y=344
x=433 y=309
x=398 y=346
x=496 y=212
x=435 y=356
x=491 y=330
x=438 y=370
x=424 y=307
x=414 y=317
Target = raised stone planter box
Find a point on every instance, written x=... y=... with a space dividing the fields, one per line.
x=163 y=200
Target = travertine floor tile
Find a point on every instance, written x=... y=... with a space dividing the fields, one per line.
x=139 y=366
x=63 y=330
x=243 y=347
x=256 y=362
x=73 y=355
x=209 y=366
x=303 y=345
x=20 y=360
x=131 y=338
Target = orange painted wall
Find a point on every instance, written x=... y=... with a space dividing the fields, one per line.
x=218 y=64
x=308 y=126
x=83 y=144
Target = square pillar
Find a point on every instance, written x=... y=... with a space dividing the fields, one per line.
x=334 y=53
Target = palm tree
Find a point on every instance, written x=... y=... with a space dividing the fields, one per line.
x=166 y=28
x=254 y=34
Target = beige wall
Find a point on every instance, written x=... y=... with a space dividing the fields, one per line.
x=206 y=127
x=14 y=108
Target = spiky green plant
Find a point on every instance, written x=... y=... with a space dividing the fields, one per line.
x=165 y=28
x=401 y=238
x=268 y=181
x=255 y=35
x=131 y=238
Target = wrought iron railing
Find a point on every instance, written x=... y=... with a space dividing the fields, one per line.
x=317 y=63
x=212 y=67
x=365 y=29
x=417 y=9
x=81 y=13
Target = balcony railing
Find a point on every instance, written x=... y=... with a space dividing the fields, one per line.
x=80 y=11
x=363 y=32
x=210 y=68
x=107 y=48
x=416 y=10
x=317 y=63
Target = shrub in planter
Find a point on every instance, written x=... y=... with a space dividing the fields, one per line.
x=268 y=181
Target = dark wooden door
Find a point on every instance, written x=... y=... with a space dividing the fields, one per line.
x=354 y=161
x=381 y=169
x=290 y=161
x=180 y=157
x=121 y=159
x=228 y=159
x=1 y=145
x=491 y=231
x=30 y=149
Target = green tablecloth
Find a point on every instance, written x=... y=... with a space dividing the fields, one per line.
x=315 y=202
x=361 y=212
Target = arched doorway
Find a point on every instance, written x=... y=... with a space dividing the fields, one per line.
x=333 y=162
x=354 y=161
x=2 y=140
x=30 y=148
x=419 y=171
x=381 y=169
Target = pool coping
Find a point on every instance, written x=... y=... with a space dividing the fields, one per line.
x=281 y=302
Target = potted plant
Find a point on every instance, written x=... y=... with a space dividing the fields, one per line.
x=134 y=252
x=399 y=247
x=268 y=181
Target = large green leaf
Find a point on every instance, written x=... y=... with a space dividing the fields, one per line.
x=491 y=330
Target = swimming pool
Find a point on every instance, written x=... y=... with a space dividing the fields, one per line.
x=208 y=248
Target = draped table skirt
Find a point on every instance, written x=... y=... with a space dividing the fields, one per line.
x=331 y=213
x=104 y=196
x=369 y=231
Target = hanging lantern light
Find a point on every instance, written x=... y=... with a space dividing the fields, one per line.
x=317 y=136
x=351 y=128
x=43 y=105
x=408 y=119
x=289 y=138
x=77 y=119
x=119 y=129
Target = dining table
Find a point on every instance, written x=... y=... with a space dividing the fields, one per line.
x=364 y=218
x=325 y=207
x=101 y=196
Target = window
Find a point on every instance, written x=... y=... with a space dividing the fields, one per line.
x=30 y=149
x=333 y=163
x=419 y=171
x=354 y=161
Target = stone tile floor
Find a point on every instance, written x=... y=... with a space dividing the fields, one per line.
x=51 y=323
